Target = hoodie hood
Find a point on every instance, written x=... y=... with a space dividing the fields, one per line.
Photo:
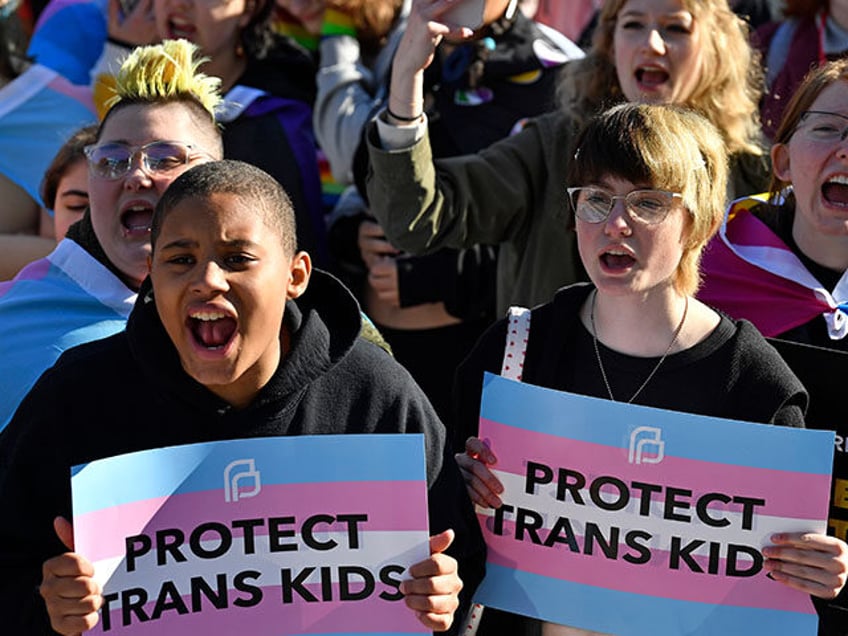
x=324 y=324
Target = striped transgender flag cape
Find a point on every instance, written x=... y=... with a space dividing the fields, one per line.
x=53 y=304
x=39 y=110
x=750 y=273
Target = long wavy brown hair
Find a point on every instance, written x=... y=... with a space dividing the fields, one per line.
x=728 y=90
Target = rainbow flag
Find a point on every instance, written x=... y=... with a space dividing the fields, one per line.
x=631 y=520
x=266 y=536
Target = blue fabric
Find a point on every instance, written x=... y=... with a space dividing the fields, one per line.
x=53 y=304
x=38 y=112
x=69 y=38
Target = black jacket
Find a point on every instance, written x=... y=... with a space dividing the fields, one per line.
x=129 y=392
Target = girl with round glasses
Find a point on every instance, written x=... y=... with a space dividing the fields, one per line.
x=649 y=193
x=689 y=52
x=780 y=260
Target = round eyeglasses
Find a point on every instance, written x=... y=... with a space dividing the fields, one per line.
x=593 y=205
x=114 y=160
x=821 y=125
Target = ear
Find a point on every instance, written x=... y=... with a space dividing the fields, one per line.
x=780 y=163
x=301 y=270
x=149 y=263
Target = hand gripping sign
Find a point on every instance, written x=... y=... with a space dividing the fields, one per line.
x=267 y=536
x=631 y=520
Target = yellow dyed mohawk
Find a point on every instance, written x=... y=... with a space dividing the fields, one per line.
x=166 y=71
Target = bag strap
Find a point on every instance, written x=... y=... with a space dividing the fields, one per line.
x=515 y=350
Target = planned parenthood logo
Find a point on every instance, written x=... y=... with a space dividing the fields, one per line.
x=646 y=446
x=241 y=480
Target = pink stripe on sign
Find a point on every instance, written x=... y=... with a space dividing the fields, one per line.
x=271 y=617
x=653 y=578
x=389 y=505
x=698 y=476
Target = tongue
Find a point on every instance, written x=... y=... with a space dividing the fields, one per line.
x=652 y=78
x=214 y=333
x=836 y=193
x=137 y=219
x=617 y=261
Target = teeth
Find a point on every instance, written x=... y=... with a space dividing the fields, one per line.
x=617 y=252
x=840 y=178
x=207 y=315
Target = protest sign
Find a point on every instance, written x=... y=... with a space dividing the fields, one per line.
x=820 y=371
x=631 y=520
x=267 y=536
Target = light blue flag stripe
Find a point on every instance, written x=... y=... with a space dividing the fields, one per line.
x=280 y=460
x=626 y=614
x=686 y=435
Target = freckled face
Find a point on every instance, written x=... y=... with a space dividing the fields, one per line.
x=658 y=50
x=221 y=279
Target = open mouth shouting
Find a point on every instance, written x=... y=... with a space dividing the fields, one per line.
x=651 y=77
x=212 y=330
x=136 y=219
x=835 y=191
x=616 y=260
x=178 y=27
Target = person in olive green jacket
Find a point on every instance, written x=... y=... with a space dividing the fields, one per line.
x=513 y=193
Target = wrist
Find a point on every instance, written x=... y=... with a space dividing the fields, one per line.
x=403 y=119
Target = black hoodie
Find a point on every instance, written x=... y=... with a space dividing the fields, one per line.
x=129 y=392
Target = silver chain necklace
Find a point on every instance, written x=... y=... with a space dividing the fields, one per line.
x=654 y=370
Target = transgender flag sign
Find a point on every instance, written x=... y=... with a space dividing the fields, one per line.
x=630 y=520
x=268 y=536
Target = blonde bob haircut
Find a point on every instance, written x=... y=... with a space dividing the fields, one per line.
x=665 y=147
x=163 y=73
x=730 y=80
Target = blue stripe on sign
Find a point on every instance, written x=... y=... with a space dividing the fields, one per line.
x=687 y=436
x=625 y=614
x=279 y=460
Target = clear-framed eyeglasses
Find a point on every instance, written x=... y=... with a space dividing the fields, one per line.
x=593 y=205
x=821 y=125
x=115 y=159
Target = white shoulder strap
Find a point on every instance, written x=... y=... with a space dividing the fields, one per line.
x=517 y=334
